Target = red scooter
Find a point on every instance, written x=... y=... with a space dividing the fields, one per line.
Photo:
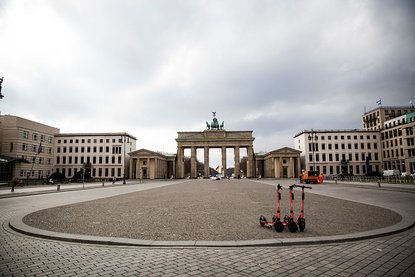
x=276 y=222
x=288 y=220
x=301 y=220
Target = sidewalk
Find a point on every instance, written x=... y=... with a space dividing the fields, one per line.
x=5 y=192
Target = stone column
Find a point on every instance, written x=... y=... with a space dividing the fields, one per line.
x=224 y=160
x=193 y=166
x=206 y=169
x=180 y=163
x=280 y=168
x=291 y=173
x=250 y=162
x=298 y=173
x=237 y=162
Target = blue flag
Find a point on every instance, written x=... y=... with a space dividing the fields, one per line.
x=379 y=102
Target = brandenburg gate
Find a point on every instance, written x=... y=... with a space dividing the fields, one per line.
x=214 y=137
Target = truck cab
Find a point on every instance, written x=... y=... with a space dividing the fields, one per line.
x=310 y=176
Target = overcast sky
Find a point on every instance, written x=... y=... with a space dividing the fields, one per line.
x=153 y=68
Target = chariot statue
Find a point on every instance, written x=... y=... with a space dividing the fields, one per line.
x=214 y=125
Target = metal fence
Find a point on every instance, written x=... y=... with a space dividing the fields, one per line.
x=382 y=179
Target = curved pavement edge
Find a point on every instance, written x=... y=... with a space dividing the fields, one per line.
x=18 y=225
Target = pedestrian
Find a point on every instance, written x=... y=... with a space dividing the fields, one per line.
x=15 y=182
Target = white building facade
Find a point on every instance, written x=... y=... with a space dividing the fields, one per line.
x=103 y=155
x=339 y=151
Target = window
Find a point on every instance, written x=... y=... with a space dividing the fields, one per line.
x=25 y=134
x=34 y=136
x=24 y=146
x=42 y=138
x=50 y=139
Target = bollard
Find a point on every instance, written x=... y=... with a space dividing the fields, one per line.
x=335 y=181
x=103 y=182
x=58 y=187
x=379 y=184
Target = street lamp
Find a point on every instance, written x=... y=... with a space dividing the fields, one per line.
x=1 y=81
x=313 y=137
x=123 y=158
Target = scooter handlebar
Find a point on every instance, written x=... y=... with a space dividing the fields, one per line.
x=297 y=186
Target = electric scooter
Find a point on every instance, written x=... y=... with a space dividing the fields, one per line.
x=276 y=221
x=301 y=220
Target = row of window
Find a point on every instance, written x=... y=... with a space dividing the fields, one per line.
x=88 y=160
x=349 y=137
x=356 y=170
x=315 y=146
x=35 y=136
x=391 y=143
x=119 y=140
x=95 y=149
x=41 y=174
x=95 y=172
x=393 y=153
x=33 y=148
x=343 y=157
x=41 y=160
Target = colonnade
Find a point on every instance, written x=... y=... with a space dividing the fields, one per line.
x=206 y=174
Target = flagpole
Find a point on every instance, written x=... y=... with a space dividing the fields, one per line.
x=37 y=153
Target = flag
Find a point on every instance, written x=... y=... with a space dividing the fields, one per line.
x=217 y=168
x=40 y=148
x=379 y=102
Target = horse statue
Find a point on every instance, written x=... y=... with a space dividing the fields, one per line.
x=223 y=124
x=215 y=124
x=207 y=125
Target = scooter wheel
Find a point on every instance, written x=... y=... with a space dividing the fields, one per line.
x=292 y=226
x=301 y=225
x=262 y=220
x=279 y=227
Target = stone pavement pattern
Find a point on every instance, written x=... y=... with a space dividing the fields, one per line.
x=22 y=255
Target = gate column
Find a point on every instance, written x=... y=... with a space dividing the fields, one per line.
x=237 y=162
x=180 y=162
x=193 y=163
x=250 y=163
x=224 y=161
x=206 y=171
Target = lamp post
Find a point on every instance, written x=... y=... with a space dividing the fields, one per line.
x=123 y=158
x=1 y=81
x=313 y=137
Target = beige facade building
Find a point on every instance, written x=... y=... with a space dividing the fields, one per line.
x=280 y=163
x=398 y=148
x=336 y=151
x=104 y=155
x=374 y=119
x=26 y=148
x=146 y=164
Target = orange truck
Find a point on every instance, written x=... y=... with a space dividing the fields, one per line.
x=311 y=176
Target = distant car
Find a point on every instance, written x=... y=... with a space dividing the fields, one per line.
x=405 y=175
x=215 y=178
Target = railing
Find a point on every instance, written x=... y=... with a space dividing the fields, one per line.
x=382 y=179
